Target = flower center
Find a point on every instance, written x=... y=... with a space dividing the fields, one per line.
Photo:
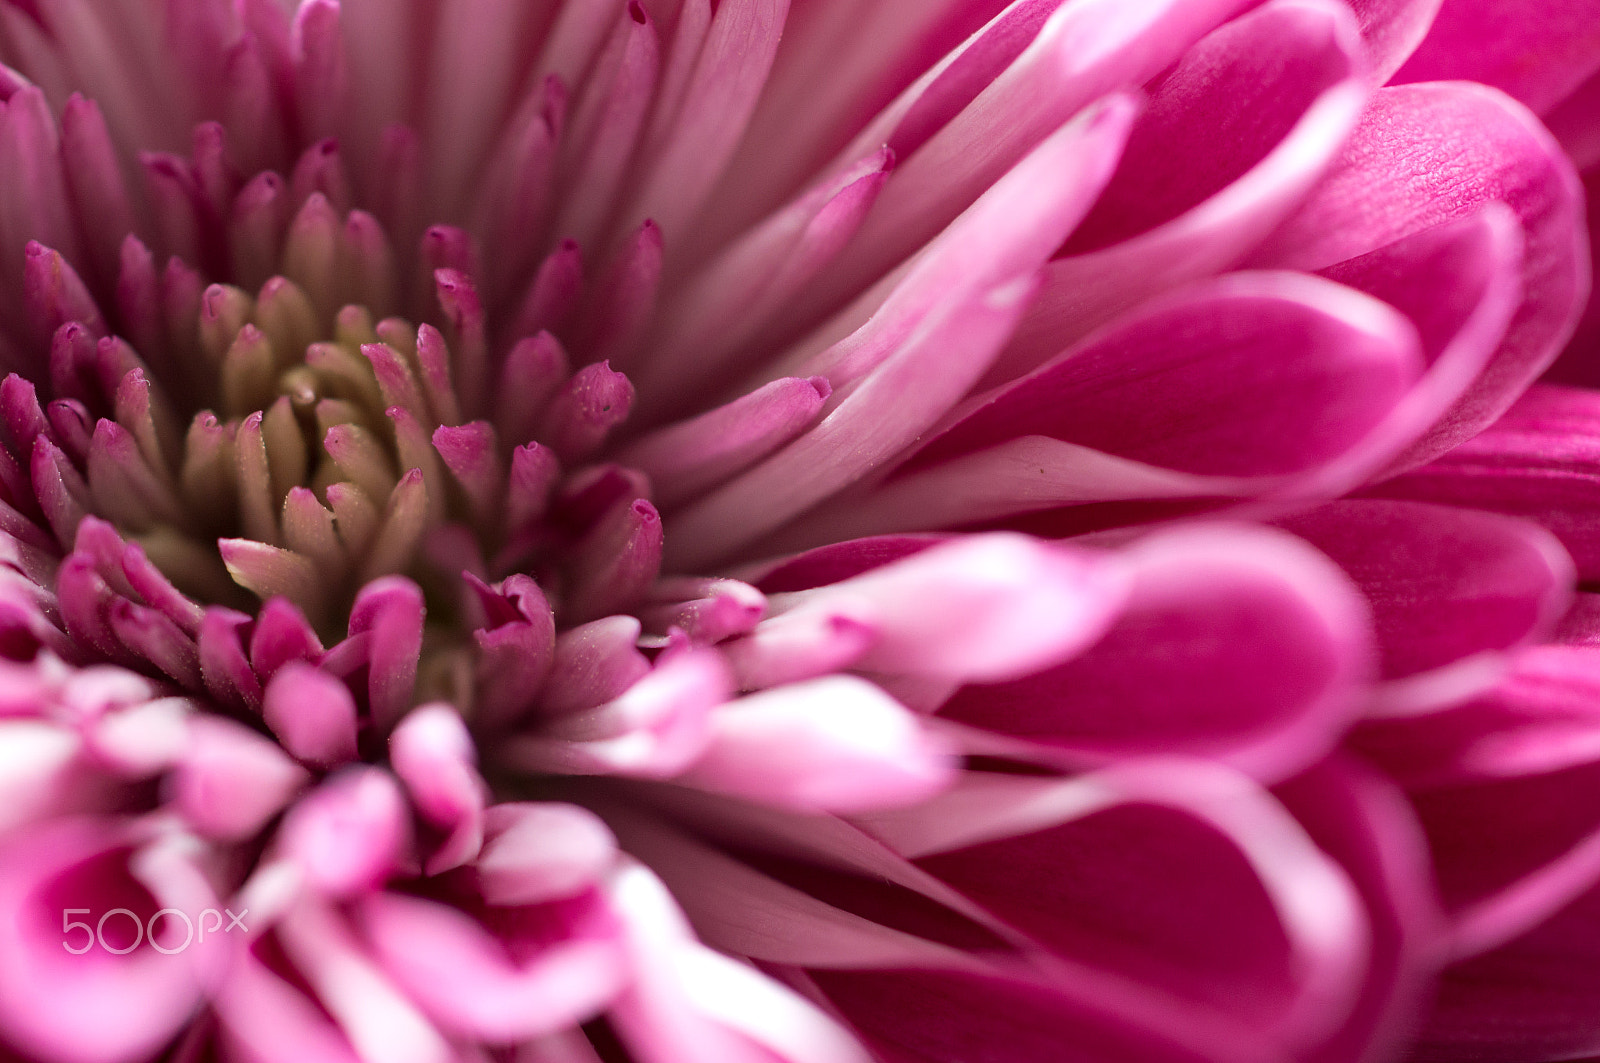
x=330 y=442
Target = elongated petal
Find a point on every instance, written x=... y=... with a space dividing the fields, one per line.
x=1393 y=180
x=1233 y=644
x=1288 y=81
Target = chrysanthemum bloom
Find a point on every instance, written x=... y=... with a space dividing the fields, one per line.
x=532 y=530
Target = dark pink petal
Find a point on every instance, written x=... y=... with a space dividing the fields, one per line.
x=1282 y=948
x=1505 y=788
x=1537 y=59
x=1287 y=83
x=1225 y=401
x=1448 y=587
x=1541 y=462
x=1425 y=154
x=1282 y=382
x=921 y=1016
x=1233 y=644
x=1529 y=1001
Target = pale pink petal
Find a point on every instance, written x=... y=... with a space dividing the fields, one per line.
x=837 y=745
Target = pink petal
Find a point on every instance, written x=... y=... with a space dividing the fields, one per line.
x=1424 y=154
x=1288 y=82
x=232 y=781
x=1130 y=414
x=940 y=328
x=984 y=607
x=655 y=729
x=1503 y=786
x=96 y=1007
x=538 y=852
x=688 y=1002
x=837 y=745
x=1447 y=586
x=348 y=835
x=434 y=757
x=313 y=715
x=486 y=993
x=1539 y=60
x=1234 y=644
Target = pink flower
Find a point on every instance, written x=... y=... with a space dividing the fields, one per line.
x=536 y=530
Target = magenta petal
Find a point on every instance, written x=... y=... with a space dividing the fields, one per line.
x=1282 y=949
x=1287 y=82
x=1425 y=154
x=911 y=1016
x=1529 y=1001
x=1460 y=284
x=1283 y=382
x=1541 y=462
x=1361 y=820
x=1392 y=30
x=1506 y=790
x=1227 y=401
x=1234 y=644
x=1446 y=585
x=1538 y=59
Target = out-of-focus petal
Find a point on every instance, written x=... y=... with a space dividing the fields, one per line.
x=1537 y=56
